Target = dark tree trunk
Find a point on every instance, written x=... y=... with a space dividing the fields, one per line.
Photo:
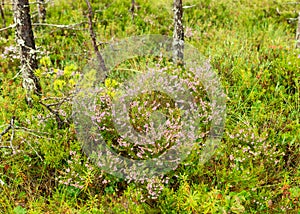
x=132 y=8
x=298 y=33
x=25 y=40
x=178 y=35
x=100 y=59
x=2 y=14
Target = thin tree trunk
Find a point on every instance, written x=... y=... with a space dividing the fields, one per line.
x=2 y=14
x=25 y=40
x=41 y=10
x=178 y=35
x=100 y=59
x=298 y=33
x=132 y=8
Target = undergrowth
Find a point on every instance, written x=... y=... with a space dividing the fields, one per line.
x=250 y=45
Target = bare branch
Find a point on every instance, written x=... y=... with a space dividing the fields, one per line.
x=68 y=96
x=58 y=100
x=292 y=20
x=36 y=2
x=5 y=131
x=59 y=103
x=292 y=3
x=6 y=147
x=16 y=76
x=42 y=2
x=60 y=122
x=31 y=131
x=12 y=121
x=8 y=27
x=188 y=6
x=71 y=26
x=34 y=151
x=14 y=127
x=10 y=127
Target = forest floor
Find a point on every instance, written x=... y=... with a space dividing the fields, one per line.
x=251 y=47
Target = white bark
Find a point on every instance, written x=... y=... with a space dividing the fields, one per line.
x=26 y=43
x=178 y=35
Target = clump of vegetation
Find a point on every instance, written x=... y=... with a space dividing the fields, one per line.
x=255 y=169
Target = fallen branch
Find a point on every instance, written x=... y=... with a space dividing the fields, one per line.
x=60 y=122
x=10 y=126
x=12 y=122
x=6 y=147
x=188 y=6
x=66 y=97
x=8 y=27
x=71 y=26
x=40 y=2
x=60 y=101
x=292 y=19
x=5 y=131
x=32 y=131
x=37 y=2
x=14 y=127
x=292 y=3
x=35 y=151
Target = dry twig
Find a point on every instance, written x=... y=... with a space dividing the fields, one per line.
x=10 y=127
x=8 y=27
x=71 y=26
x=60 y=122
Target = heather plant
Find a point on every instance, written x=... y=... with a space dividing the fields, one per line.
x=140 y=112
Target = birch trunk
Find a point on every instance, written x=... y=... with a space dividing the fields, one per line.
x=26 y=43
x=178 y=35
